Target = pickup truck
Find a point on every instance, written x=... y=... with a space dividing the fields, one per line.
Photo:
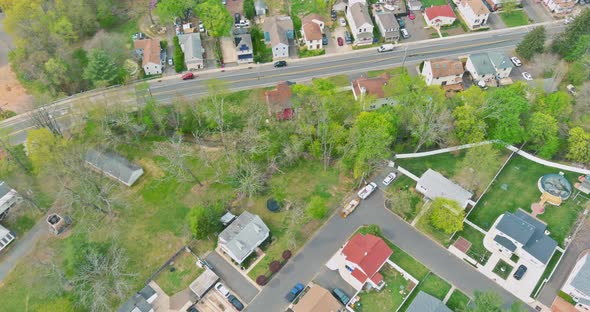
x=367 y=190
x=349 y=208
x=386 y=48
x=294 y=292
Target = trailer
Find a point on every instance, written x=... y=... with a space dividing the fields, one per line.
x=349 y=208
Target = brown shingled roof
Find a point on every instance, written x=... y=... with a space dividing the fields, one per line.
x=310 y=17
x=151 y=50
x=279 y=99
x=312 y=31
x=373 y=86
x=446 y=67
x=477 y=6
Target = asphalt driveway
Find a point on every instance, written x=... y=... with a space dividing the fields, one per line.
x=233 y=279
x=331 y=279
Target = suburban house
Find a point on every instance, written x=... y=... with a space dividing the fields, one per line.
x=244 y=49
x=203 y=283
x=114 y=166
x=260 y=7
x=433 y=185
x=360 y=22
x=312 y=29
x=6 y=237
x=278 y=31
x=278 y=101
x=386 y=22
x=340 y=5
x=489 y=66
x=521 y=234
x=443 y=72
x=439 y=15
x=150 y=52
x=560 y=7
x=239 y=239
x=577 y=284
x=497 y=4
x=360 y=260
x=8 y=198
x=414 y=5
x=193 y=50
x=424 y=302
x=317 y=299
x=141 y=301
x=371 y=92
x=474 y=12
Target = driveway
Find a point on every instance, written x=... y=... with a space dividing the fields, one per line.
x=416 y=29
x=536 y=11
x=332 y=46
x=234 y=280
x=21 y=247
x=331 y=279
x=495 y=21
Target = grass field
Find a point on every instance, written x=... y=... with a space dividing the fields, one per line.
x=391 y=71
x=448 y=164
x=458 y=301
x=477 y=251
x=179 y=275
x=429 y=3
x=407 y=262
x=502 y=269
x=389 y=298
x=432 y=285
x=339 y=80
x=515 y=18
x=406 y=184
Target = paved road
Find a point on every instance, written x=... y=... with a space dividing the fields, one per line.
x=21 y=247
x=237 y=282
x=335 y=232
x=168 y=89
x=5 y=43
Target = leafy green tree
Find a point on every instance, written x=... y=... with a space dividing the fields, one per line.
x=567 y=43
x=56 y=70
x=204 y=221
x=579 y=72
x=469 y=127
x=491 y=302
x=505 y=113
x=42 y=147
x=579 y=145
x=533 y=43
x=249 y=9
x=167 y=10
x=105 y=15
x=178 y=56
x=557 y=104
x=579 y=49
x=478 y=167
x=543 y=134
x=446 y=215
x=508 y=6
x=216 y=18
x=101 y=69
x=317 y=208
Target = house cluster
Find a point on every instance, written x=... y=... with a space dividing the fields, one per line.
x=386 y=15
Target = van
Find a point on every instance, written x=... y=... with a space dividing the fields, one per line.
x=386 y=48
x=340 y=295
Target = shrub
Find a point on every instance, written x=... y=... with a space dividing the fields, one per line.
x=178 y=56
x=274 y=266
x=261 y=280
x=317 y=207
x=447 y=215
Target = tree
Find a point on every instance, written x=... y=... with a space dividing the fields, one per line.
x=578 y=145
x=101 y=69
x=543 y=134
x=469 y=127
x=508 y=6
x=177 y=158
x=478 y=167
x=570 y=38
x=579 y=49
x=317 y=208
x=56 y=70
x=249 y=9
x=491 y=302
x=430 y=121
x=533 y=43
x=216 y=18
x=557 y=104
x=504 y=113
x=446 y=215
x=400 y=202
x=178 y=56
x=42 y=146
x=579 y=72
x=167 y=10
x=204 y=221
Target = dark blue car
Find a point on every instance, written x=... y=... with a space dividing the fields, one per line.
x=291 y=295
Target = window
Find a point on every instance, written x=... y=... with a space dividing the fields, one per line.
x=349 y=268
x=476 y=21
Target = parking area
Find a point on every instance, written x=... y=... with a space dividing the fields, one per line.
x=213 y=301
x=332 y=47
x=416 y=29
x=331 y=279
x=235 y=281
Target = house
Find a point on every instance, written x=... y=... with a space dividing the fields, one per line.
x=6 y=237
x=386 y=22
x=521 y=234
x=497 y=4
x=260 y=7
x=150 y=52
x=312 y=29
x=141 y=301
x=278 y=101
x=244 y=48
x=193 y=50
x=317 y=299
x=474 y=12
x=489 y=66
x=114 y=166
x=433 y=185
x=8 y=198
x=439 y=15
x=340 y=5
x=559 y=7
x=360 y=22
x=372 y=90
x=414 y=5
x=203 y=283
x=278 y=32
x=442 y=72
x=424 y=302
x=360 y=260
x=577 y=284
x=241 y=237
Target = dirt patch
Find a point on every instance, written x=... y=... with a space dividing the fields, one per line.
x=13 y=95
x=235 y=6
x=310 y=226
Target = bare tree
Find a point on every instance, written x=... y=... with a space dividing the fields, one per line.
x=43 y=117
x=248 y=178
x=431 y=122
x=176 y=156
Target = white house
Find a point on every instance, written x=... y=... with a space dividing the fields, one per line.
x=433 y=185
x=150 y=52
x=559 y=7
x=8 y=198
x=442 y=72
x=193 y=50
x=239 y=239
x=386 y=22
x=439 y=15
x=278 y=32
x=521 y=234
x=6 y=237
x=312 y=29
x=474 y=12
x=489 y=66
x=577 y=284
x=360 y=22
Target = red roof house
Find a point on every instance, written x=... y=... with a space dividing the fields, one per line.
x=439 y=15
x=364 y=256
x=278 y=101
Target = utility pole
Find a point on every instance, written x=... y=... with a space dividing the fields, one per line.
x=405 y=56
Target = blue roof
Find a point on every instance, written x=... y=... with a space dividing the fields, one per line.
x=427 y=303
x=505 y=242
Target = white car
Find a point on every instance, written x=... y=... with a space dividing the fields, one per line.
x=571 y=89
x=367 y=190
x=389 y=178
x=243 y=23
x=222 y=290
x=527 y=76
x=342 y=22
x=201 y=27
x=516 y=61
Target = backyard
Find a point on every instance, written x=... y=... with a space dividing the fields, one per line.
x=448 y=164
x=391 y=296
x=432 y=285
x=179 y=274
x=515 y=18
x=458 y=301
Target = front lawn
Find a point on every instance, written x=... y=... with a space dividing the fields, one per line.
x=432 y=285
x=515 y=18
x=178 y=275
x=429 y=3
x=426 y=227
x=502 y=269
x=391 y=296
x=458 y=301
x=405 y=184
x=391 y=71
x=407 y=262
x=339 y=80
x=447 y=164
x=477 y=251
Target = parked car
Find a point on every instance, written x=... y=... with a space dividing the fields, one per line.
x=138 y=36
x=519 y=272
x=324 y=39
x=347 y=37
x=188 y=76
x=235 y=302
x=482 y=84
x=294 y=292
x=340 y=295
x=243 y=23
x=170 y=61
x=237 y=18
x=411 y=16
x=401 y=23
x=389 y=178
x=342 y=22
x=527 y=76
x=333 y=15
x=280 y=63
x=571 y=89
x=222 y=290
x=340 y=41
x=367 y=190
x=386 y=47
x=192 y=309
x=516 y=61
x=201 y=27
x=405 y=33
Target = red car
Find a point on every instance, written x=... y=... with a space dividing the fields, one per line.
x=188 y=76
x=411 y=16
x=340 y=41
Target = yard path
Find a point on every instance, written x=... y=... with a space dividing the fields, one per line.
x=21 y=247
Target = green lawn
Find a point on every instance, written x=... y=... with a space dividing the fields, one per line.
x=407 y=262
x=432 y=285
x=458 y=301
x=567 y=297
x=429 y=3
x=389 y=298
x=391 y=71
x=515 y=18
x=520 y=177
x=339 y=80
x=405 y=183
x=179 y=275
x=448 y=164
x=502 y=269
x=550 y=266
x=477 y=251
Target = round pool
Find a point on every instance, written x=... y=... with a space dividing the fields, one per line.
x=556 y=185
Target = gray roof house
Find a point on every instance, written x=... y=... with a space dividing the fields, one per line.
x=8 y=198
x=424 y=302
x=6 y=237
x=278 y=31
x=386 y=23
x=360 y=22
x=241 y=237
x=520 y=232
x=260 y=7
x=489 y=65
x=203 y=283
x=114 y=166
x=244 y=49
x=193 y=50
x=577 y=284
x=340 y=5
x=433 y=184
x=141 y=301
